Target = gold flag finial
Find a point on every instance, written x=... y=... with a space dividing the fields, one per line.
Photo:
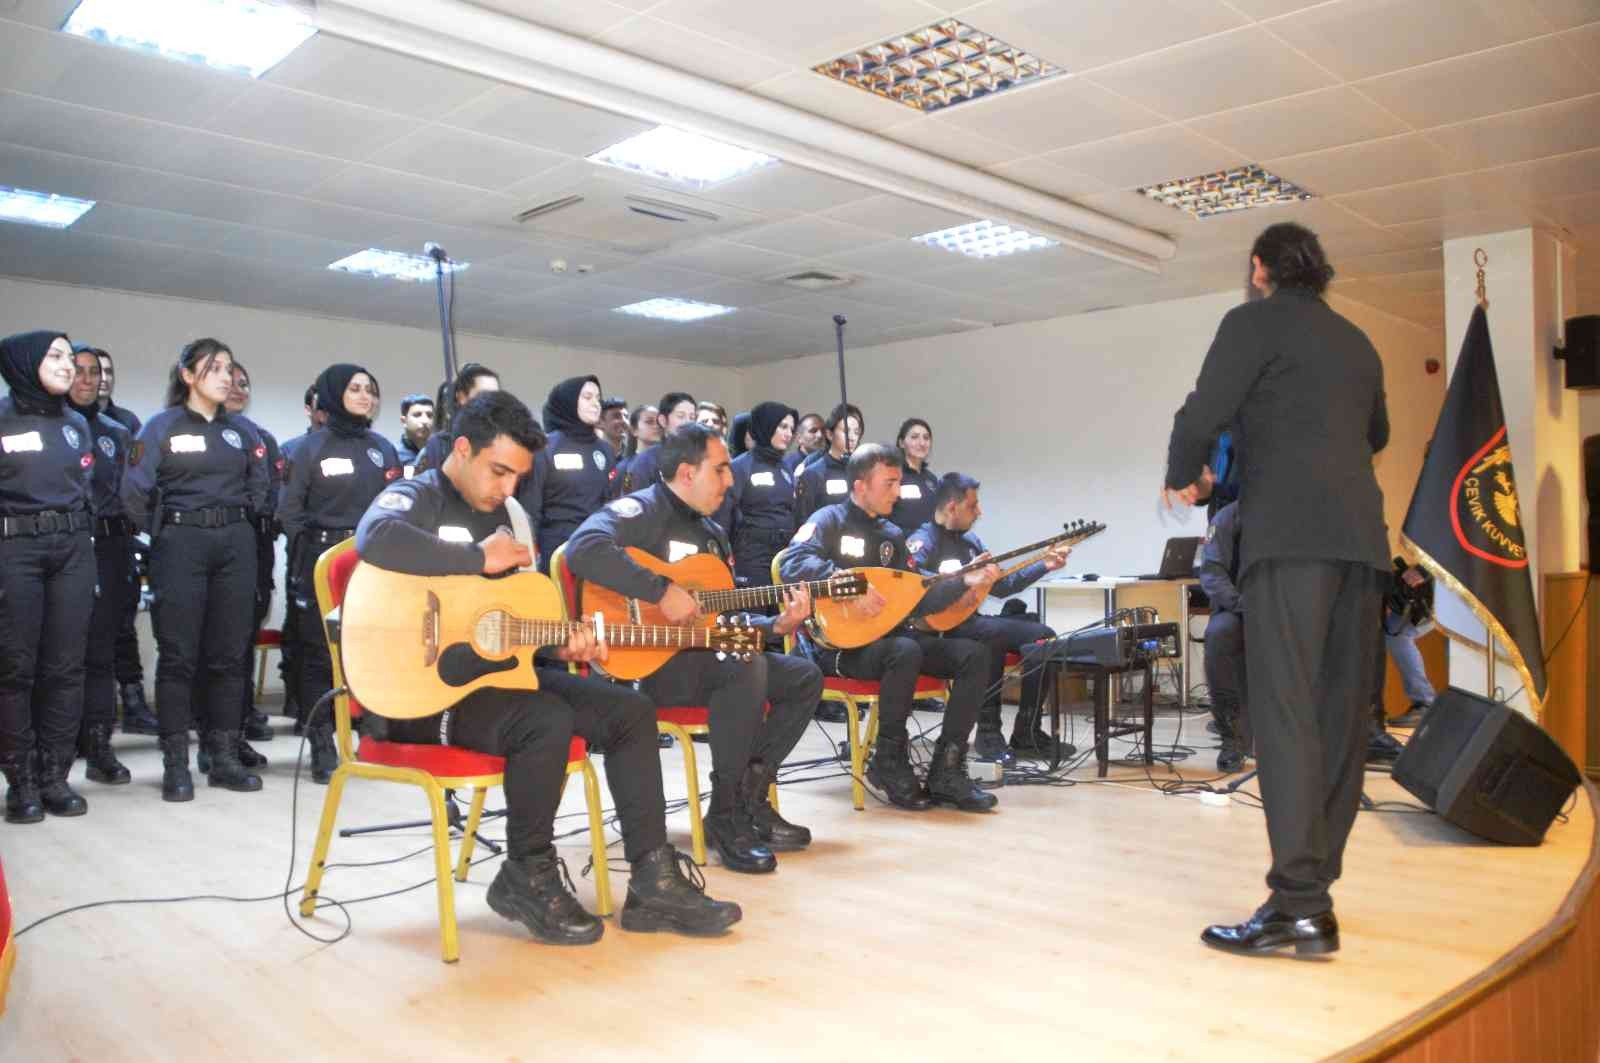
x=1482 y=260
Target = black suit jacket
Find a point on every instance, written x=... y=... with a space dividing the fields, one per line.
x=1304 y=387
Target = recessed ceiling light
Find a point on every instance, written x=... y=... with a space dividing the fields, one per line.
x=938 y=66
x=985 y=239
x=674 y=309
x=374 y=262
x=241 y=36
x=678 y=156
x=1227 y=191
x=41 y=208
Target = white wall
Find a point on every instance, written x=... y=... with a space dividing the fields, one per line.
x=1070 y=417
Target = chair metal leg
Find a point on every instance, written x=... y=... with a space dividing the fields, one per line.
x=469 y=837
x=858 y=755
x=319 y=852
x=691 y=773
x=597 y=841
x=449 y=939
x=261 y=671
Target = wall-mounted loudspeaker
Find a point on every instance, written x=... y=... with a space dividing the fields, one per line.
x=1582 y=352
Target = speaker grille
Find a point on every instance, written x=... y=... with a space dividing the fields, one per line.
x=1523 y=791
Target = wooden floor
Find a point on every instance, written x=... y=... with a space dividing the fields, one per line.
x=1066 y=923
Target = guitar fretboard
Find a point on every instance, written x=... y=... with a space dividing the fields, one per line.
x=556 y=632
x=751 y=597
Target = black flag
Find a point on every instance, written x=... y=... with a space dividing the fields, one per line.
x=1464 y=524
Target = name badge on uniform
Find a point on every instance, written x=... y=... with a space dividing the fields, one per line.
x=910 y=491
x=569 y=461
x=677 y=551
x=852 y=546
x=338 y=467
x=454 y=533
x=23 y=441
x=187 y=444
x=762 y=479
x=949 y=565
x=410 y=471
x=836 y=487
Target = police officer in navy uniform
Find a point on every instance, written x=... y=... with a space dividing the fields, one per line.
x=256 y=728
x=198 y=478
x=46 y=575
x=416 y=422
x=808 y=439
x=289 y=648
x=758 y=708
x=858 y=533
x=947 y=542
x=760 y=504
x=676 y=409
x=1224 y=639
x=825 y=478
x=470 y=381
x=337 y=472
x=114 y=577
x=572 y=474
x=918 y=483
x=453 y=521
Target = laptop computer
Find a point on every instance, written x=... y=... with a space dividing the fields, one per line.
x=1180 y=558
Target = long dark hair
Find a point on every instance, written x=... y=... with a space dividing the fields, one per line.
x=1293 y=257
x=196 y=357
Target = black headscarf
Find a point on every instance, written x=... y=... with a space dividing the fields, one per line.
x=91 y=411
x=764 y=420
x=330 y=398
x=561 y=409
x=736 y=434
x=20 y=358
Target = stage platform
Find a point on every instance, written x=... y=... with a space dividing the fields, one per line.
x=1066 y=925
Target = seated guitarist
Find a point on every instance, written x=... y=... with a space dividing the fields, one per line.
x=760 y=708
x=452 y=521
x=857 y=533
x=948 y=542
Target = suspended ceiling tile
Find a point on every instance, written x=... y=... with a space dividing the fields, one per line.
x=1154 y=155
x=1363 y=38
x=809 y=237
x=309 y=123
x=1369 y=164
x=1079 y=35
x=1430 y=258
x=692 y=51
x=391 y=192
x=786 y=188
x=359 y=73
x=831 y=98
x=1555 y=178
x=729 y=259
x=797 y=34
x=1519 y=136
x=1311 y=121
x=464 y=158
x=1423 y=200
x=1044 y=176
x=897 y=216
x=938 y=136
x=546 y=122
x=1056 y=113
x=585 y=19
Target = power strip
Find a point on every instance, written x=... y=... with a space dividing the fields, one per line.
x=986 y=771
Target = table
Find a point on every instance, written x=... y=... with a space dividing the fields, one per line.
x=1077 y=601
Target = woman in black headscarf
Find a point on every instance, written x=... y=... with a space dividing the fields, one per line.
x=571 y=476
x=739 y=437
x=47 y=575
x=760 y=505
x=336 y=473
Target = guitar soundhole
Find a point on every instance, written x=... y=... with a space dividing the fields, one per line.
x=460 y=664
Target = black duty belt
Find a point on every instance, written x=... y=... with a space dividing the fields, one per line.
x=764 y=535
x=49 y=522
x=211 y=517
x=110 y=527
x=328 y=536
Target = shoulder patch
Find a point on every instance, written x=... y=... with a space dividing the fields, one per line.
x=626 y=508
x=136 y=452
x=916 y=545
x=398 y=501
x=885 y=553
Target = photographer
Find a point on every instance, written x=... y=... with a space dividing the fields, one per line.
x=1407 y=616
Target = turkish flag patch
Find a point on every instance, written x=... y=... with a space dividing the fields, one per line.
x=391 y=474
x=261 y=452
x=86 y=461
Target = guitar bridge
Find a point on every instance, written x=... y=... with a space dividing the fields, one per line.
x=430 y=631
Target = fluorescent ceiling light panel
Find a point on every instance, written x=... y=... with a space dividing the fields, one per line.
x=985 y=239
x=1227 y=191
x=674 y=309
x=374 y=262
x=240 y=36
x=674 y=155
x=41 y=208
x=938 y=66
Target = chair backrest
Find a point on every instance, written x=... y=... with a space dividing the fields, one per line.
x=777 y=578
x=569 y=595
x=334 y=569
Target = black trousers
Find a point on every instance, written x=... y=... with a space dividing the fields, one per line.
x=204 y=581
x=46 y=593
x=753 y=554
x=266 y=558
x=533 y=731
x=1002 y=635
x=896 y=660
x=312 y=666
x=129 y=665
x=736 y=692
x=113 y=587
x=1225 y=676
x=1308 y=653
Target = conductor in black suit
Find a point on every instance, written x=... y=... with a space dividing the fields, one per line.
x=1304 y=389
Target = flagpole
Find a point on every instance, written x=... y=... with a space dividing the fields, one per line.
x=1480 y=258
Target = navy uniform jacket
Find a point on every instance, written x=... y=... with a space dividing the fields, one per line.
x=934 y=548
x=639 y=472
x=824 y=482
x=112 y=442
x=917 y=491
x=762 y=498
x=407 y=453
x=571 y=479
x=434 y=451
x=182 y=461
x=123 y=416
x=277 y=465
x=45 y=461
x=1219 y=560
x=333 y=478
x=424 y=527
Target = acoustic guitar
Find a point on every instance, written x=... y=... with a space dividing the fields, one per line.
x=709 y=579
x=842 y=625
x=953 y=615
x=411 y=646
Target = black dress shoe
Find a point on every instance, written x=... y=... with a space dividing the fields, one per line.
x=1383 y=748
x=1271 y=929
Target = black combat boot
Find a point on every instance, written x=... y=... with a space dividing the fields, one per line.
x=257 y=728
x=1029 y=739
x=176 y=782
x=537 y=892
x=137 y=719
x=732 y=833
x=23 y=804
x=949 y=783
x=102 y=763
x=890 y=771
x=989 y=743
x=226 y=771
x=59 y=798
x=247 y=756
x=775 y=832
x=324 y=753
x=667 y=892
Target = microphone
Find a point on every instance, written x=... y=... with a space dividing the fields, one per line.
x=435 y=252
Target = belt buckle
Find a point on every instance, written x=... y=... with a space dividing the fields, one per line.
x=50 y=523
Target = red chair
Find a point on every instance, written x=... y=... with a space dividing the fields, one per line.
x=8 y=946
x=434 y=769
x=267 y=640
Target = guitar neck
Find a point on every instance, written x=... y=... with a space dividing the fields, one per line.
x=654 y=636
x=752 y=597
